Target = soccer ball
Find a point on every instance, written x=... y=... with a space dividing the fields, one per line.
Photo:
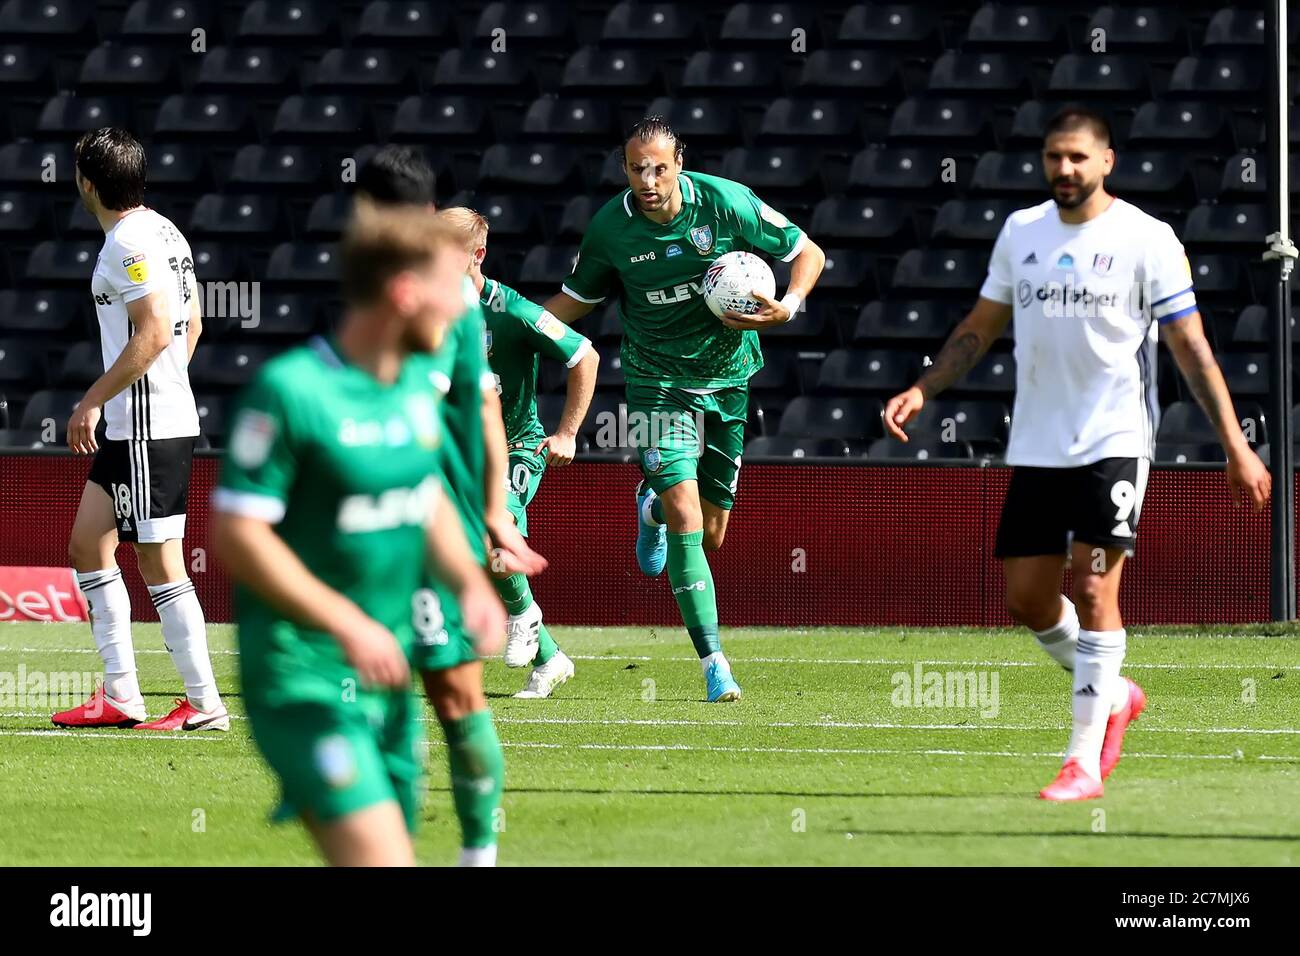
x=731 y=278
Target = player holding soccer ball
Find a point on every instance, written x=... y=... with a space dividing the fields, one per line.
x=1092 y=281
x=518 y=333
x=684 y=366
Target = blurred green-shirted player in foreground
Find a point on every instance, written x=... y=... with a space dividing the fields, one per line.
x=687 y=371
x=473 y=460
x=519 y=332
x=329 y=508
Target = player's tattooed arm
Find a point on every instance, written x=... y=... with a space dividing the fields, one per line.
x=1248 y=479
x=968 y=342
x=965 y=346
x=1195 y=359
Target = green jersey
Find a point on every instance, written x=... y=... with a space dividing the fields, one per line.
x=346 y=468
x=519 y=332
x=670 y=338
x=461 y=374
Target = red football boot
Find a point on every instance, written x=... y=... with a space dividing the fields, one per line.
x=185 y=716
x=1072 y=784
x=102 y=711
x=1118 y=723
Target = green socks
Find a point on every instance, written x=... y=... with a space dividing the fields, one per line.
x=692 y=584
x=518 y=597
x=477 y=775
x=514 y=593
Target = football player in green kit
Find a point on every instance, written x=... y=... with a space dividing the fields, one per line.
x=474 y=464
x=683 y=365
x=518 y=333
x=329 y=502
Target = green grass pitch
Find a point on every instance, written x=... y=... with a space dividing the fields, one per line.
x=819 y=764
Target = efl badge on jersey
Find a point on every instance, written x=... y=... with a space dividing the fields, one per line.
x=550 y=326
x=652 y=459
x=702 y=236
x=673 y=250
x=251 y=438
x=1101 y=264
x=136 y=268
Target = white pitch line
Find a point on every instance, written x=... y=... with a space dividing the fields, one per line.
x=657 y=748
x=100 y=735
x=852 y=751
x=911 y=661
x=809 y=725
x=871 y=661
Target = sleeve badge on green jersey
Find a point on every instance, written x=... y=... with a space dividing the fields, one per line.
x=702 y=236
x=251 y=438
x=550 y=326
x=771 y=215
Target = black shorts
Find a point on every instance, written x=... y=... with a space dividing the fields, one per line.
x=149 y=482
x=1097 y=504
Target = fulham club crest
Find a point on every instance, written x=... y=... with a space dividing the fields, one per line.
x=1101 y=264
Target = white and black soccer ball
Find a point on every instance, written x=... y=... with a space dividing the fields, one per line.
x=731 y=278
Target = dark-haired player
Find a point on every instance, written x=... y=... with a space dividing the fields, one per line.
x=149 y=321
x=1091 y=280
x=687 y=372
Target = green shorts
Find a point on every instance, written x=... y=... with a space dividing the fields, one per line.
x=522 y=480
x=333 y=759
x=682 y=436
x=441 y=642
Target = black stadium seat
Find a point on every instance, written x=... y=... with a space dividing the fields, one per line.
x=766 y=24
x=978 y=422
x=251 y=70
x=1143 y=30
x=978 y=75
x=118 y=67
x=361 y=71
x=391 y=23
x=1093 y=75
x=1227 y=76
x=552 y=118
x=449 y=117
x=307 y=22
x=667 y=25
x=974 y=221
x=20 y=363
x=907 y=319
x=1168 y=123
x=227 y=366
x=528 y=24
x=869 y=74
x=901 y=26
x=1019 y=173
x=210 y=116
x=51 y=405
x=82 y=364
x=768 y=168
x=721 y=72
x=235 y=214
x=952 y=122
x=941 y=270
x=1185 y=423
x=326 y=117
x=67 y=117
x=896 y=169
x=1024 y=29
x=867 y=370
x=1179 y=453
x=919 y=449
x=596 y=72
x=858 y=221
x=819 y=416
x=275 y=167
x=43 y=311
x=786 y=446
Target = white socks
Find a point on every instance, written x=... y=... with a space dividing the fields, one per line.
x=185 y=637
x=1061 y=639
x=479 y=856
x=1098 y=660
x=110 y=623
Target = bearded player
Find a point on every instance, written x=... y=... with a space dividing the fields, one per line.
x=682 y=364
x=1092 y=281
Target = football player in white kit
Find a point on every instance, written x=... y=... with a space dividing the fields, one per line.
x=147 y=303
x=1092 y=282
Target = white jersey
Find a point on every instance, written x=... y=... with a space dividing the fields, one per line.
x=142 y=254
x=1088 y=299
